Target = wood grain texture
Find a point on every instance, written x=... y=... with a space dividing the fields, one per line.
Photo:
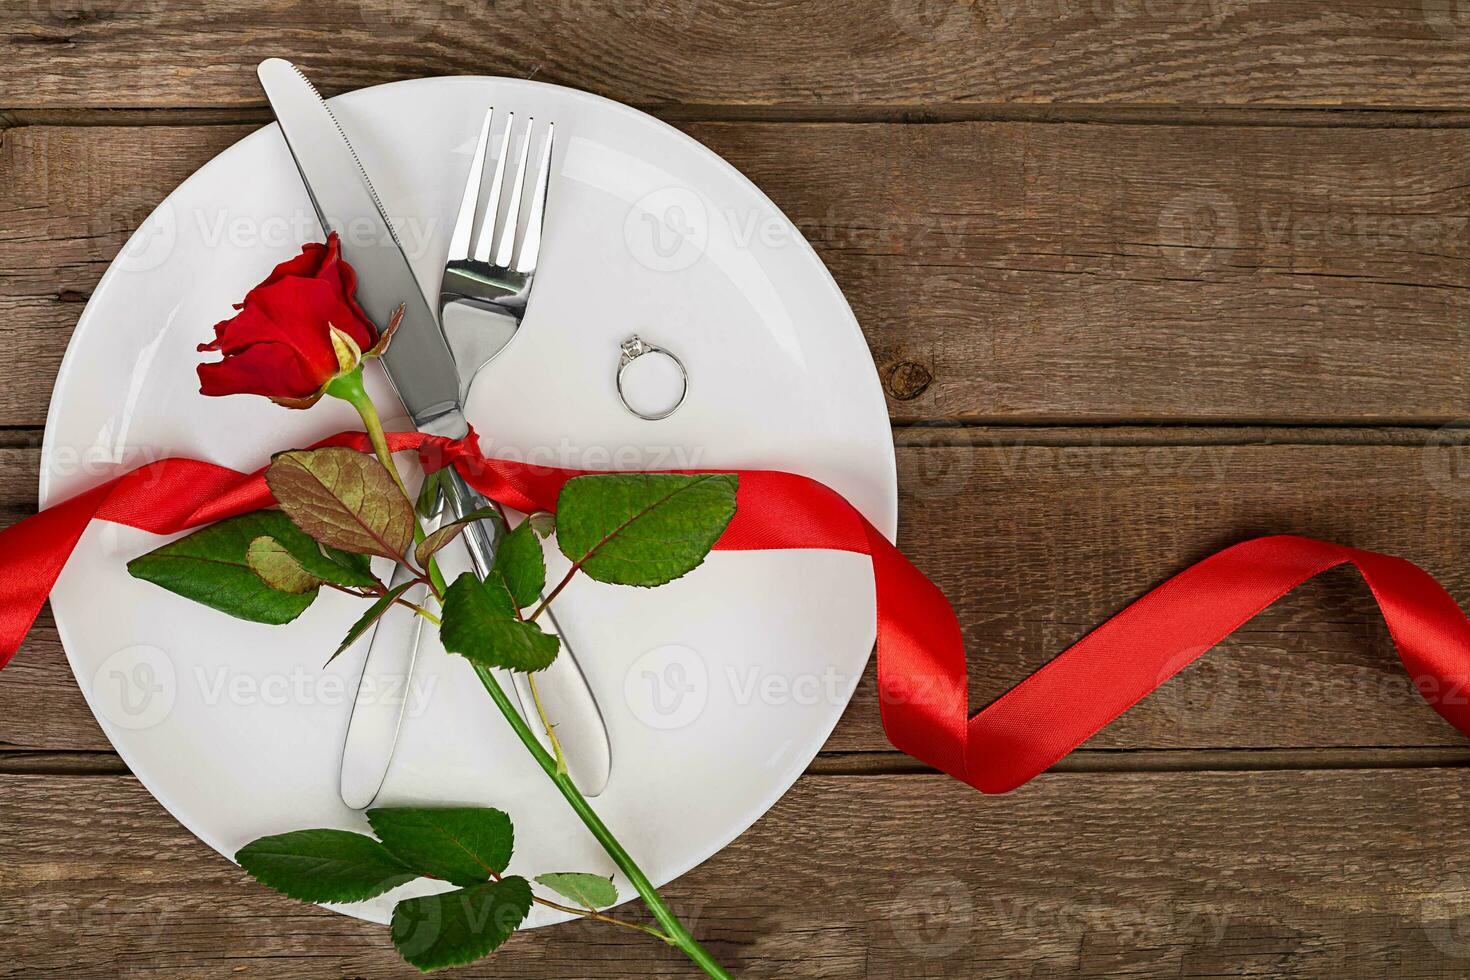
x=1003 y=272
x=1242 y=249
x=804 y=53
x=1037 y=544
x=1271 y=875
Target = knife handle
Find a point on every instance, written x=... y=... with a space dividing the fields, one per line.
x=563 y=687
x=382 y=696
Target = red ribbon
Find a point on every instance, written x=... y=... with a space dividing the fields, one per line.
x=921 y=657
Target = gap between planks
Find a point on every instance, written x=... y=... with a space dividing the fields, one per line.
x=995 y=435
x=1117 y=115
x=31 y=762
x=1091 y=761
x=992 y=434
x=1117 y=433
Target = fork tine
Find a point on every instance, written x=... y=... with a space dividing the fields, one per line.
x=531 y=244
x=506 y=245
x=492 y=200
x=469 y=203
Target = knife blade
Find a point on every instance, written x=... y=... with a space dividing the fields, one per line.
x=418 y=362
x=424 y=373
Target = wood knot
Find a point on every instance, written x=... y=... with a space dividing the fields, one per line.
x=907 y=380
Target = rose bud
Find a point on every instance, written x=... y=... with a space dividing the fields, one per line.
x=295 y=332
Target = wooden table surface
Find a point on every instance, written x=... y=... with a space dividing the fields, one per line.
x=1142 y=278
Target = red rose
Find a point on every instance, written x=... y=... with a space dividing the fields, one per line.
x=281 y=344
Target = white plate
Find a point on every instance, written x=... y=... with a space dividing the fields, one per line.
x=718 y=689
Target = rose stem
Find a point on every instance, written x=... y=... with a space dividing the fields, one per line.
x=610 y=920
x=349 y=387
x=561 y=759
x=677 y=933
x=399 y=601
x=590 y=913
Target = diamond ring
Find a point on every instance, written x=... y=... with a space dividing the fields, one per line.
x=656 y=387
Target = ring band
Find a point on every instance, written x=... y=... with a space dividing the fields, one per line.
x=634 y=348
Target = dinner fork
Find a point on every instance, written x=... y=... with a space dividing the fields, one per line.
x=483 y=297
x=496 y=275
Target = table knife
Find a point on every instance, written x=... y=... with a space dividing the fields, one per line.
x=423 y=372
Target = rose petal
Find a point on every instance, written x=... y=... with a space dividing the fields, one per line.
x=326 y=266
x=339 y=271
x=247 y=327
x=284 y=316
x=269 y=369
x=303 y=266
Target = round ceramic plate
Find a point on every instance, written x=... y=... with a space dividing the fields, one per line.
x=717 y=689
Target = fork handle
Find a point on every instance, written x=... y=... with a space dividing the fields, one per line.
x=563 y=687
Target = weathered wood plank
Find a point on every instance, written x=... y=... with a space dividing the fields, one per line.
x=803 y=53
x=1035 y=545
x=1194 y=875
x=1003 y=272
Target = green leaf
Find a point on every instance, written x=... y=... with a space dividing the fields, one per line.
x=643 y=528
x=520 y=562
x=324 y=865
x=327 y=564
x=461 y=845
x=542 y=523
x=428 y=502
x=276 y=566
x=587 y=890
x=341 y=567
x=374 y=613
x=480 y=625
x=461 y=926
x=211 y=566
x=344 y=499
x=441 y=537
